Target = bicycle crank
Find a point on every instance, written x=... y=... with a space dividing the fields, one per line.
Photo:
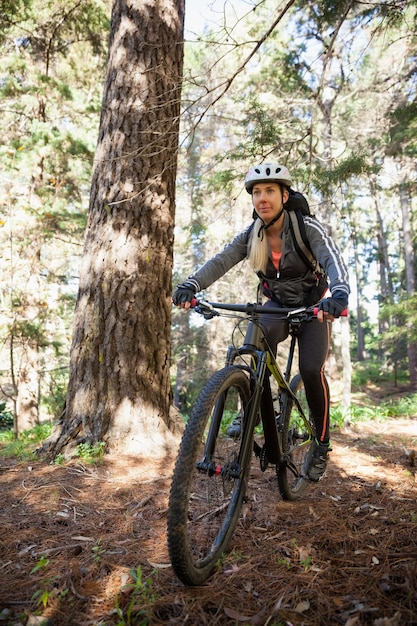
x=260 y=453
x=263 y=459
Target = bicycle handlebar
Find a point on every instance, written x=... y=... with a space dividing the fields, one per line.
x=254 y=308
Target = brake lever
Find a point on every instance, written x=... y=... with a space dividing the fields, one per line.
x=205 y=309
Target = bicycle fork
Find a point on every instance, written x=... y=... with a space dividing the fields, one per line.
x=207 y=465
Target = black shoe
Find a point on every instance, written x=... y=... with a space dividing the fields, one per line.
x=317 y=461
x=235 y=428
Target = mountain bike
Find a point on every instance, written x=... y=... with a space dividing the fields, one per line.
x=212 y=468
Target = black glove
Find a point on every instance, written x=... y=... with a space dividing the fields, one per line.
x=334 y=305
x=184 y=293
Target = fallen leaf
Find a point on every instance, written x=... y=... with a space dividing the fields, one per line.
x=302 y=606
x=352 y=620
x=313 y=513
x=81 y=538
x=315 y=568
x=257 y=619
x=235 y=615
x=304 y=553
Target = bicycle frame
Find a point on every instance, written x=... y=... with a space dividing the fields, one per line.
x=262 y=363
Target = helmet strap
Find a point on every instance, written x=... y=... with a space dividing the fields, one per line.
x=265 y=226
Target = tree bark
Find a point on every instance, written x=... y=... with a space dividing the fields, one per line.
x=119 y=388
x=27 y=401
x=410 y=278
x=360 y=349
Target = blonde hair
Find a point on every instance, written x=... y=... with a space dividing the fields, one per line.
x=258 y=247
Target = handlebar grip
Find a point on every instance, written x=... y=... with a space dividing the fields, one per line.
x=194 y=303
x=344 y=313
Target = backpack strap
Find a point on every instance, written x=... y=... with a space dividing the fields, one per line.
x=301 y=243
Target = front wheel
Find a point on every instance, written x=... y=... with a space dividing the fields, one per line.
x=297 y=436
x=209 y=480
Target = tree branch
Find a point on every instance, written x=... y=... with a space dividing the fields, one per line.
x=226 y=84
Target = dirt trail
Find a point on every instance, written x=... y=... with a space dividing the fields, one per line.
x=346 y=554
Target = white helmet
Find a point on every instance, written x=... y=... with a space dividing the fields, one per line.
x=265 y=173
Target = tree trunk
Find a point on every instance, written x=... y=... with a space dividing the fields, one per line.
x=180 y=380
x=360 y=349
x=27 y=401
x=386 y=287
x=119 y=388
x=411 y=283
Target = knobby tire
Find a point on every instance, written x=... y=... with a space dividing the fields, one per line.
x=204 y=506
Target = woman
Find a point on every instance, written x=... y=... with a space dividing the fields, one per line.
x=288 y=282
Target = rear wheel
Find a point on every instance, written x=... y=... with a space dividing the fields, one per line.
x=297 y=437
x=209 y=480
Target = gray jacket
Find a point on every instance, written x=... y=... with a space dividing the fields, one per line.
x=295 y=284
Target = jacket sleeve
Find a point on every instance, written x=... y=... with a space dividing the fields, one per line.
x=328 y=255
x=217 y=266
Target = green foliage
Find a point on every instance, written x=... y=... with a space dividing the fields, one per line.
x=370 y=371
x=221 y=180
x=48 y=589
x=400 y=322
x=43 y=562
x=352 y=166
x=9 y=10
x=91 y=454
x=398 y=406
x=33 y=331
x=98 y=551
x=26 y=445
x=6 y=417
x=338 y=416
x=264 y=130
x=403 y=127
x=54 y=390
x=403 y=406
x=139 y=608
x=58 y=460
x=294 y=67
x=405 y=313
x=284 y=561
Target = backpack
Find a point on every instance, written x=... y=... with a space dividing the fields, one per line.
x=297 y=206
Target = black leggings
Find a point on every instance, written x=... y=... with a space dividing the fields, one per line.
x=313 y=346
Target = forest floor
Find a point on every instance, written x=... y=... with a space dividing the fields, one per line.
x=71 y=536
